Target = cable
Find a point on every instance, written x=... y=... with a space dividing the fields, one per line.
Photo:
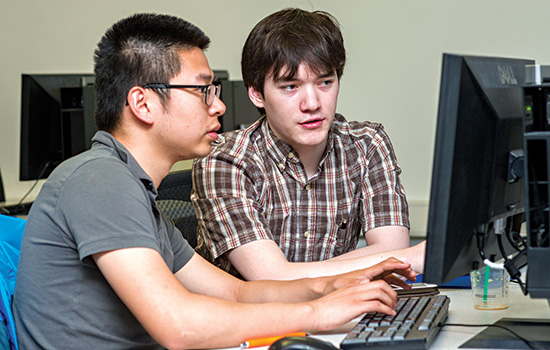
x=28 y=192
x=529 y=344
x=493 y=265
x=513 y=233
x=46 y=166
x=480 y=244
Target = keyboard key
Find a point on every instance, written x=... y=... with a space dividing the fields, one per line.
x=412 y=327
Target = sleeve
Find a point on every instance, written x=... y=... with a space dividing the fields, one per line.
x=106 y=207
x=228 y=205
x=384 y=202
x=183 y=252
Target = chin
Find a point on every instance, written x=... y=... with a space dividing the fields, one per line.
x=315 y=140
x=203 y=152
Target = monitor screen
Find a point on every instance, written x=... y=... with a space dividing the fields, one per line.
x=57 y=120
x=477 y=189
x=537 y=181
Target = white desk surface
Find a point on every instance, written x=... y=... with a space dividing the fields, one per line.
x=461 y=310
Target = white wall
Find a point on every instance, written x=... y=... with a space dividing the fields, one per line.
x=392 y=76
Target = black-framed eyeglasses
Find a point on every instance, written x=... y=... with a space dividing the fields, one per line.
x=209 y=90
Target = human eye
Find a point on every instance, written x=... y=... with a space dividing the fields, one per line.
x=288 y=87
x=326 y=83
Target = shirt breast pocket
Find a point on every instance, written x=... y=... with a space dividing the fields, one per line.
x=345 y=227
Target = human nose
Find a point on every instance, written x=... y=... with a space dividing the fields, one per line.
x=217 y=108
x=310 y=100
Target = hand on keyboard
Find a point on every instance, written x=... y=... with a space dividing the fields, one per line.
x=414 y=327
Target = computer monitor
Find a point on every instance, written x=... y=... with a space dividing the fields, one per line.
x=537 y=185
x=240 y=112
x=477 y=194
x=478 y=197
x=57 y=120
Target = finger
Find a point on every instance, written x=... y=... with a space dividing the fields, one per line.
x=378 y=306
x=380 y=290
x=409 y=274
x=396 y=281
x=386 y=297
x=385 y=268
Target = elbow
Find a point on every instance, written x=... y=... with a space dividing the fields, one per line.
x=178 y=331
x=177 y=339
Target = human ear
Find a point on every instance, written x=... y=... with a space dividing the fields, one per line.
x=256 y=97
x=139 y=104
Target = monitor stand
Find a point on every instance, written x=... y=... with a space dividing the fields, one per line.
x=536 y=331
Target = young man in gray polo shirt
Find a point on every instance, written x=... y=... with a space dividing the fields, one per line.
x=102 y=268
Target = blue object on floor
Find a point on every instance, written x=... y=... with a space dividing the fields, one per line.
x=11 y=234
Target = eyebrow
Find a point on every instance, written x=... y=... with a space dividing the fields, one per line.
x=326 y=75
x=293 y=78
x=205 y=77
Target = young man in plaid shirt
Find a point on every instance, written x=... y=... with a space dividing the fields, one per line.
x=289 y=196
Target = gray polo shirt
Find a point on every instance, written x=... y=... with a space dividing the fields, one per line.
x=98 y=201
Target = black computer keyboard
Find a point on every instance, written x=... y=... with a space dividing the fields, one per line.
x=415 y=325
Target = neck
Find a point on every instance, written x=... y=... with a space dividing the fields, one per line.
x=311 y=157
x=150 y=160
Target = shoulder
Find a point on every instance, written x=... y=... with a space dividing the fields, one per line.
x=363 y=132
x=94 y=175
x=94 y=169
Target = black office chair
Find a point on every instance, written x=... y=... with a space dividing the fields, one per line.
x=174 y=201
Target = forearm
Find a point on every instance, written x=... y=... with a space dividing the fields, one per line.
x=176 y=312
x=234 y=323
x=293 y=290
x=376 y=248
x=370 y=255
x=272 y=265
x=335 y=266
x=264 y=260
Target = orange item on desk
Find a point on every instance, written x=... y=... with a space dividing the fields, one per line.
x=254 y=343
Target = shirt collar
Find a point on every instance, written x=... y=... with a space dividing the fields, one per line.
x=282 y=153
x=104 y=139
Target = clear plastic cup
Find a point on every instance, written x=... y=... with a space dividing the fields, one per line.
x=490 y=288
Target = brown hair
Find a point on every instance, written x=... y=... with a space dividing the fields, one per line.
x=288 y=38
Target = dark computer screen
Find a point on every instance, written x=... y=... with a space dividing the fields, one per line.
x=537 y=181
x=240 y=111
x=57 y=121
x=477 y=192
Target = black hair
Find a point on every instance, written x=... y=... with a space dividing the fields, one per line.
x=141 y=49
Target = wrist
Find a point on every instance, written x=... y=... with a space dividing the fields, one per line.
x=310 y=312
x=320 y=286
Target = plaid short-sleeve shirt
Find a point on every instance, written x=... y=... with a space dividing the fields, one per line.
x=253 y=186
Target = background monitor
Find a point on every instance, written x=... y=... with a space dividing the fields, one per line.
x=58 y=117
x=240 y=111
x=57 y=120
x=477 y=191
